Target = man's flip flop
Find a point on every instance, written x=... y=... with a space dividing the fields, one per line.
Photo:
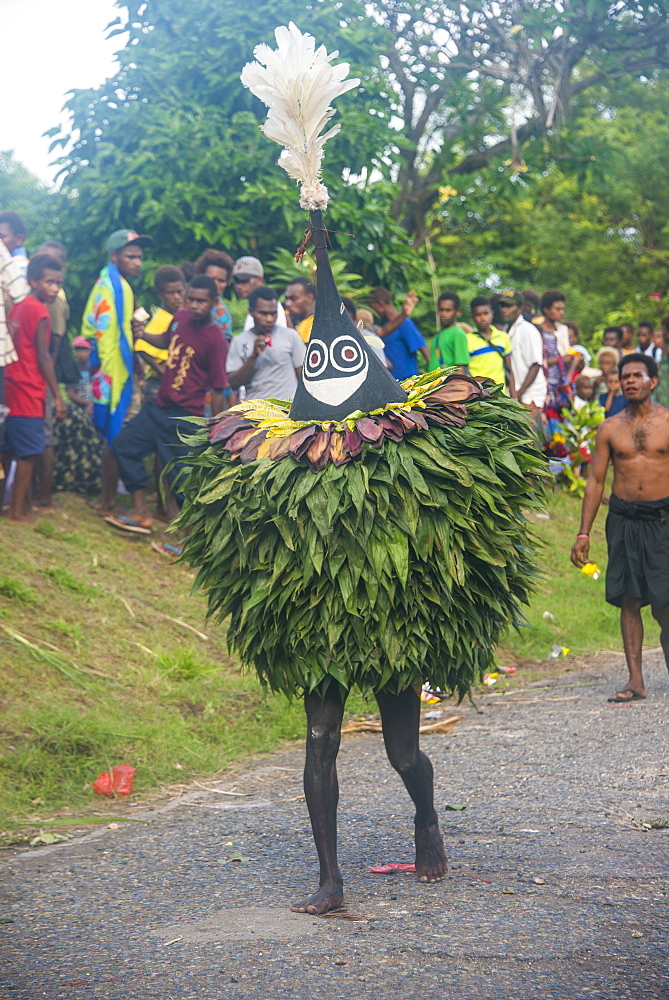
x=625 y=697
x=125 y=523
x=165 y=549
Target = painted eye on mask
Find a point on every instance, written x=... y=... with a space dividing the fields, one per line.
x=316 y=359
x=346 y=355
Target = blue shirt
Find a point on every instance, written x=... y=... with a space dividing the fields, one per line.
x=617 y=404
x=401 y=346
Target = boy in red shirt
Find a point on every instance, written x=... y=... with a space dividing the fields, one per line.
x=195 y=365
x=27 y=378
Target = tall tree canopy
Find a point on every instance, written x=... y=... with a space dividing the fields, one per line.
x=171 y=143
x=464 y=108
x=474 y=80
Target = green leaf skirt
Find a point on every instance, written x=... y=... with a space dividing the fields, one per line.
x=399 y=558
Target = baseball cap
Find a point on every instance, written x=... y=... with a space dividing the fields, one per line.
x=247 y=267
x=511 y=298
x=82 y=342
x=122 y=237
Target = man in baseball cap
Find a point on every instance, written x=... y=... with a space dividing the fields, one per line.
x=107 y=324
x=248 y=267
x=527 y=352
x=511 y=297
x=247 y=274
x=121 y=238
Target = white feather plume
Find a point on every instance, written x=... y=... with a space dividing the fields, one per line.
x=297 y=82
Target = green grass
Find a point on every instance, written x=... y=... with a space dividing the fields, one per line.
x=16 y=591
x=104 y=660
x=47 y=530
x=62 y=578
x=72 y=629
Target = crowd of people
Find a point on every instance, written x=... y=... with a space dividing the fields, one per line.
x=111 y=405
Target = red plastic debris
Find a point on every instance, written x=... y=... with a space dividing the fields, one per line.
x=119 y=782
x=392 y=868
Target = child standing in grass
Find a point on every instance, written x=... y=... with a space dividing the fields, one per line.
x=26 y=380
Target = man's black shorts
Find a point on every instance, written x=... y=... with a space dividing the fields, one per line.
x=637 y=534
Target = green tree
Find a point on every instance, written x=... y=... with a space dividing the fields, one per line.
x=491 y=101
x=24 y=193
x=473 y=81
x=171 y=145
x=588 y=216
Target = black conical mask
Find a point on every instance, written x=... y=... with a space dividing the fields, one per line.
x=341 y=373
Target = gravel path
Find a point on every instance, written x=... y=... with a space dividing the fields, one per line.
x=555 y=889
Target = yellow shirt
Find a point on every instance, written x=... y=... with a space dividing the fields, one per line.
x=159 y=323
x=304 y=328
x=486 y=357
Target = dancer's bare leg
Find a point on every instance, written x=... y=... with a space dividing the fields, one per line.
x=321 y=790
x=400 y=717
x=631 y=627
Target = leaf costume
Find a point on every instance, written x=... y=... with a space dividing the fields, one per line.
x=371 y=533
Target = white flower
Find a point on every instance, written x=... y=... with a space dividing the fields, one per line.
x=297 y=82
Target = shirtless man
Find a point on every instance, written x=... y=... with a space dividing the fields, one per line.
x=637 y=525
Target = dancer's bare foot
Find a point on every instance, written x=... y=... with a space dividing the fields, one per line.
x=431 y=864
x=330 y=896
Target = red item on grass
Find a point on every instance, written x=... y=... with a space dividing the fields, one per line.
x=392 y=869
x=119 y=782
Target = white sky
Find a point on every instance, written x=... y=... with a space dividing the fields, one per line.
x=49 y=48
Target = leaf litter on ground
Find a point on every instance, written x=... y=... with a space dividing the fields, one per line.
x=43 y=839
x=235 y=856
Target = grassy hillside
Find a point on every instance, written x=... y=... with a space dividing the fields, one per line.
x=107 y=658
